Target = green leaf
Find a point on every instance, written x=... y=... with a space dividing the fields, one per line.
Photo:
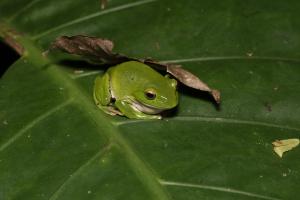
x=55 y=143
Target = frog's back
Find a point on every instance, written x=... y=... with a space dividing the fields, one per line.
x=131 y=76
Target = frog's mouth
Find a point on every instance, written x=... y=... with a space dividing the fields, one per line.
x=146 y=108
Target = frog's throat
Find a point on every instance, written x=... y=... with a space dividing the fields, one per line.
x=145 y=108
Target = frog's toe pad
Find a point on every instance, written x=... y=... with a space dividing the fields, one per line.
x=110 y=110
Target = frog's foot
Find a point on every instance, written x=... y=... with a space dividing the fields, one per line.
x=127 y=108
x=111 y=110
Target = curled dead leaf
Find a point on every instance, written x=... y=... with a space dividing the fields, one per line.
x=185 y=77
x=93 y=49
x=98 y=50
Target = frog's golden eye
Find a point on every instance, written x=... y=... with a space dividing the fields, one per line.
x=150 y=93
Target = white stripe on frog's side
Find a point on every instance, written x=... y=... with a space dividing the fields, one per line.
x=146 y=109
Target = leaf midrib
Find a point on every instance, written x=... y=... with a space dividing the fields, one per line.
x=142 y=171
x=145 y=174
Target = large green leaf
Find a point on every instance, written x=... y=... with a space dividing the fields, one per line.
x=55 y=143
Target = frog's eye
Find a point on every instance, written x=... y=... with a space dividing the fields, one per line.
x=150 y=94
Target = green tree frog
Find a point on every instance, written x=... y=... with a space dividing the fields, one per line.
x=135 y=90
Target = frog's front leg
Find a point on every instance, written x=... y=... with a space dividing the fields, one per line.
x=126 y=106
x=102 y=95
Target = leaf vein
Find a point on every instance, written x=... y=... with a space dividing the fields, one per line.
x=79 y=170
x=34 y=122
x=215 y=119
x=216 y=188
x=202 y=59
x=90 y=73
x=93 y=15
x=214 y=58
x=22 y=10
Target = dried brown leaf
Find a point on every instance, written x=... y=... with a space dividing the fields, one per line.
x=185 y=77
x=94 y=49
x=99 y=50
x=9 y=36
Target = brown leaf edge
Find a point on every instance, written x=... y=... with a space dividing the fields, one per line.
x=9 y=36
x=98 y=50
x=103 y=4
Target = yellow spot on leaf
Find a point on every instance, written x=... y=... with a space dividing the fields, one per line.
x=281 y=146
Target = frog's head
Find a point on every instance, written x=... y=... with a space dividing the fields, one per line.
x=156 y=97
